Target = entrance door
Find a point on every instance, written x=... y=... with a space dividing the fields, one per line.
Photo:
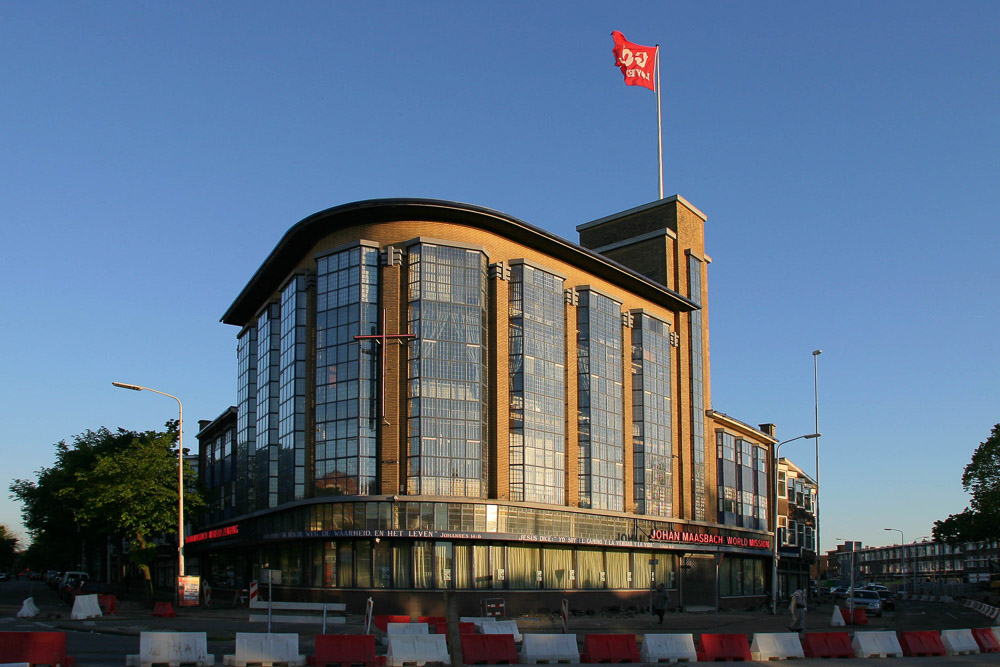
x=698 y=575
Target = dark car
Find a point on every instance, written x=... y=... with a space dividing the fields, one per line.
x=67 y=590
x=87 y=587
x=888 y=600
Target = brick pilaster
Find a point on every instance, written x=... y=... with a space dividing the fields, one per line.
x=572 y=408
x=392 y=430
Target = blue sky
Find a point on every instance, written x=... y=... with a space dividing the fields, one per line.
x=847 y=156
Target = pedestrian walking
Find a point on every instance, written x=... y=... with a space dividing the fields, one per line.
x=661 y=601
x=798 y=608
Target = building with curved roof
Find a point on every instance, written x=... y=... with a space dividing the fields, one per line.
x=437 y=396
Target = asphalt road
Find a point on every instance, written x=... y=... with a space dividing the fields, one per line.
x=104 y=642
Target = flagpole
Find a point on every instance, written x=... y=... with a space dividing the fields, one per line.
x=659 y=119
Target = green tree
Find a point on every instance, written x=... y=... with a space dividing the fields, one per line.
x=981 y=478
x=120 y=484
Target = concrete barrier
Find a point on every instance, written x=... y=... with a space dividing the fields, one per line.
x=400 y=629
x=261 y=648
x=549 y=648
x=502 y=628
x=28 y=609
x=776 y=646
x=172 y=648
x=34 y=648
x=873 y=644
x=416 y=650
x=668 y=648
x=85 y=606
x=838 y=618
x=478 y=620
x=959 y=642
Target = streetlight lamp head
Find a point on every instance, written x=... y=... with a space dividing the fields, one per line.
x=812 y=436
x=816 y=353
x=122 y=385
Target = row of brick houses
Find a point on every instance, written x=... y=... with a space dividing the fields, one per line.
x=919 y=566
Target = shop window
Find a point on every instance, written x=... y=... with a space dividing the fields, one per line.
x=619 y=574
x=382 y=564
x=345 y=564
x=523 y=566
x=557 y=568
x=363 y=564
x=423 y=564
x=444 y=565
x=401 y=559
x=590 y=568
x=482 y=571
x=463 y=565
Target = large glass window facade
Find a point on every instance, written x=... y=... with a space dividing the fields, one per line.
x=697 y=392
x=219 y=475
x=652 y=442
x=448 y=397
x=266 y=451
x=346 y=372
x=292 y=393
x=742 y=576
x=246 y=417
x=442 y=562
x=601 y=433
x=742 y=482
x=537 y=344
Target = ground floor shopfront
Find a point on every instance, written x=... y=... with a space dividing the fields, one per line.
x=405 y=553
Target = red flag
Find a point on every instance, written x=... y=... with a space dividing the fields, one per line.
x=637 y=62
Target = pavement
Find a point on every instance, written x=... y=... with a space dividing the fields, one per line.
x=221 y=624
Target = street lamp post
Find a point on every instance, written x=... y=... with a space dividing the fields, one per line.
x=902 y=554
x=180 y=469
x=774 y=516
x=819 y=565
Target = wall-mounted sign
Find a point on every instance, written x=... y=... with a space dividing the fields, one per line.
x=686 y=537
x=213 y=534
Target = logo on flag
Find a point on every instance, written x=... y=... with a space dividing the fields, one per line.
x=638 y=63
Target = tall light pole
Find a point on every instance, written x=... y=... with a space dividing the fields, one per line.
x=774 y=516
x=180 y=469
x=902 y=554
x=819 y=566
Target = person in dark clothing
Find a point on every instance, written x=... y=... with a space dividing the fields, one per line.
x=661 y=600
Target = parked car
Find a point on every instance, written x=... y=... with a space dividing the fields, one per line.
x=67 y=575
x=4 y=576
x=867 y=600
x=888 y=599
x=67 y=588
x=876 y=587
x=86 y=587
x=839 y=592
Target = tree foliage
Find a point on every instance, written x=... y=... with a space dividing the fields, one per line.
x=981 y=479
x=8 y=548
x=119 y=484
